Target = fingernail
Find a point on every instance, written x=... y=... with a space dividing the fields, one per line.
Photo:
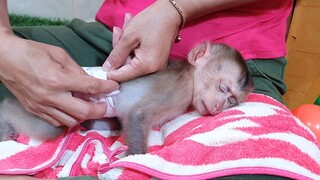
x=116 y=29
x=107 y=66
x=127 y=16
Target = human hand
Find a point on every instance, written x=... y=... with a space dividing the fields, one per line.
x=43 y=78
x=149 y=36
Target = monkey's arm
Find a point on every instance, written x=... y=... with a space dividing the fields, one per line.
x=144 y=116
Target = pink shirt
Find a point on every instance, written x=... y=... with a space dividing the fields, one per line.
x=257 y=29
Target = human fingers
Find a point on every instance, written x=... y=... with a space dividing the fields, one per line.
x=62 y=116
x=124 y=73
x=88 y=84
x=116 y=58
x=73 y=110
x=119 y=54
x=31 y=105
x=127 y=19
x=116 y=34
x=77 y=76
x=131 y=70
x=57 y=118
x=64 y=109
x=49 y=114
x=70 y=111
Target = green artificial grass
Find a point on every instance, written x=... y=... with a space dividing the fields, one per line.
x=25 y=20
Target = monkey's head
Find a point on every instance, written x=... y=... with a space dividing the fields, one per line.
x=221 y=78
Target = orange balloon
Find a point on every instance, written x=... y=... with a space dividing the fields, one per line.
x=309 y=114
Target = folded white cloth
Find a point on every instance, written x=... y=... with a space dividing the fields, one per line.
x=98 y=98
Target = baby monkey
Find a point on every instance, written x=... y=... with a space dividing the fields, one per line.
x=216 y=78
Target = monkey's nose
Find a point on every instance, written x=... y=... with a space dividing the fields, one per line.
x=213 y=109
x=218 y=106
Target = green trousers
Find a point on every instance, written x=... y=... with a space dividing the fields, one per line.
x=90 y=43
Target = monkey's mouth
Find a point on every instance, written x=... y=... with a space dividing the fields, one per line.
x=203 y=109
x=206 y=110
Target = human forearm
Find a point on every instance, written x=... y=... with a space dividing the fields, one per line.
x=4 y=19
x=5 y=28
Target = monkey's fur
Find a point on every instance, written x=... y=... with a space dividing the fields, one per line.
x=15 y=119
x=216 y=78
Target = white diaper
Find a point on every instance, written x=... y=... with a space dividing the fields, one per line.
x=108 y=98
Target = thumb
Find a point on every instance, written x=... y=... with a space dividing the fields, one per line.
x=118 y=56
x=128 y=71
x=116 y=34
x=112 y=61
x=127 y=19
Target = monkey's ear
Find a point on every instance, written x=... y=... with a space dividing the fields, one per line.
x=197 y=52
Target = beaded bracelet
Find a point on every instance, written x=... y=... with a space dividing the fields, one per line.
x=183 y=19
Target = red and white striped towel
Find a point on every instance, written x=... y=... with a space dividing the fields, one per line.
x=260 y=136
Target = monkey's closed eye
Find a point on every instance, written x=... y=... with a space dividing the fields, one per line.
x=232 y=101
x=223 y=87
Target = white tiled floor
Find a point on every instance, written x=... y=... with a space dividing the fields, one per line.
x=66 y=9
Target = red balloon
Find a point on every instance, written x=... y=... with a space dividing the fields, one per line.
x=309 y=114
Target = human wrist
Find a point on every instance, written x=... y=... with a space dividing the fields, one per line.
x=5 y=51
x=4 y=31
x=186 y=8
x=182 y=17
x=169 y=14
x=5 y=27
x=6 y=37
x=5 y=34
x=193 y=9
x=186 y=11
